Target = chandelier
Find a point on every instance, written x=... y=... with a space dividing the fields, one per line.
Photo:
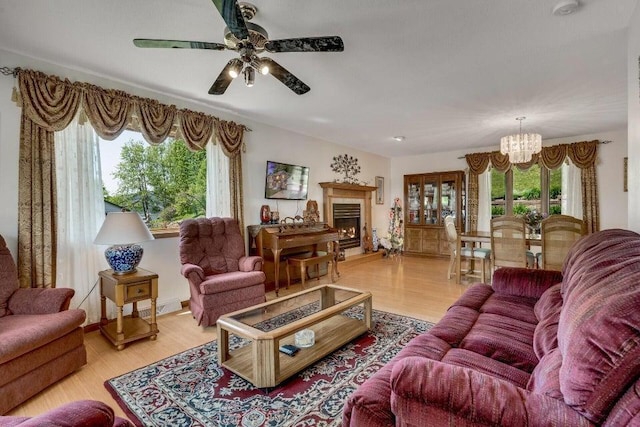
x=521 y=146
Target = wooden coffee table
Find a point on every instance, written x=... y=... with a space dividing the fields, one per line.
x=272 y=324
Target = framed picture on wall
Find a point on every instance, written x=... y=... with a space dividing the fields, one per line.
x=379 y=190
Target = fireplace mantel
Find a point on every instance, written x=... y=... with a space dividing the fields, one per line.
x=332 y=191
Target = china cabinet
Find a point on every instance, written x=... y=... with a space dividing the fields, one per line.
x=429 y=198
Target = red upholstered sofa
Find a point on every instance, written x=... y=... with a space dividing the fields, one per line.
x=82 y=413
x=41 y=341
x=536 y=349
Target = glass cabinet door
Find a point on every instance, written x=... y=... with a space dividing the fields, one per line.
x=430 y=202
x=448 y=198
x=413 y=200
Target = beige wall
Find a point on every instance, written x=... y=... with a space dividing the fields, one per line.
x=264 y=143
x=613 y=200
x=633 y=99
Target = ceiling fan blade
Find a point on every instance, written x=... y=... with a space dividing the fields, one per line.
x=224 y=79
x=178 y=44
x=233 y=18
x=289 y=80
x=306 y=44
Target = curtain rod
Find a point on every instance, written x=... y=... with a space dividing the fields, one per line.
x=608 y=141
x=6 y=71
x=13 y=72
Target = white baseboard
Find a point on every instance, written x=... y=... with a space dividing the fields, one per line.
x=162 y=307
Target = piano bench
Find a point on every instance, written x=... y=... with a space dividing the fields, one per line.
x=306 y=259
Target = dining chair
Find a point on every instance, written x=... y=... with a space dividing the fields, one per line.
x=559 y=233
x=509 y=243
x=468 y=254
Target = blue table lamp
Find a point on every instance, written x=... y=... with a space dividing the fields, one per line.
x=123 y=230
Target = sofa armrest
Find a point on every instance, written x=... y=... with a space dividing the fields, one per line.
x=40 y=300
x=250 y=263
x=79 y=413
x=524 y=282
x=424 y=389
x=193 y=272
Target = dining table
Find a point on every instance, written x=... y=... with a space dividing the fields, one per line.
x=473 y=238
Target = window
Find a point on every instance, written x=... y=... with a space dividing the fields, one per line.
x=526 y=191
x=518 y=192
x=165 y=183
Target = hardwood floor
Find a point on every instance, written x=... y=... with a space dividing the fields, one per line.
x=412 y=286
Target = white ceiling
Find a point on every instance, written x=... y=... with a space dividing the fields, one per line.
x=447 y=74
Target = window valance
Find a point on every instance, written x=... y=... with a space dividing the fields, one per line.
x=51 y=103
x=582 y=154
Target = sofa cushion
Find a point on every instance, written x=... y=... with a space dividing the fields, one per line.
x=507 y=340
x=549 y=303
x=515 y=307
x=231 y=281
x=545 y=337
x=599 y=322
x=474 y=297
x=487 y=365
x=22 y=334
x=545 y=378
x=455 y=325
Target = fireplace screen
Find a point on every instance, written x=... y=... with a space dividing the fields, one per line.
x=346 y=219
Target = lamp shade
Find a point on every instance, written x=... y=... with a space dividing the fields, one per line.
x=122 y=228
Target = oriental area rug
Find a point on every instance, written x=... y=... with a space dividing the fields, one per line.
x=191 y=389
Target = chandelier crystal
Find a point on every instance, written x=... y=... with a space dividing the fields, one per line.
x=521 y=146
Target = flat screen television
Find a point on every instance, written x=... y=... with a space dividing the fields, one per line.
x=285 y=181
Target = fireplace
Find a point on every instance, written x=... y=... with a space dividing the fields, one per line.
x=346 y=219
x=340 y=193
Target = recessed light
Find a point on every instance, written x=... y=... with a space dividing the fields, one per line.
x=399 y=138
x=565 y=7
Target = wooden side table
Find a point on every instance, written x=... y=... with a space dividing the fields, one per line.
x=125 y=289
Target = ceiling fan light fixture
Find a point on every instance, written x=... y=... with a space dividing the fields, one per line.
x=235 y=69
x=260 y=65
x=249 y=76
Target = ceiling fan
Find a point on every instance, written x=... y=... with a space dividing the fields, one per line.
x=250 y=40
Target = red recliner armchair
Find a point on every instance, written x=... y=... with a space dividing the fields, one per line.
x=41 y=340
x=221 y=278
x=81 y=413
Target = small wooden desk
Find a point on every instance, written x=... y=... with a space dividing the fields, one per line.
x=124 y=289
x=480 y=237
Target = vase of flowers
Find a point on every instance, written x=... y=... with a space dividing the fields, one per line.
x=533 y=219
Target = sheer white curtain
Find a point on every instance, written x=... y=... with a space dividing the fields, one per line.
x=571 y=203
x=484 y=201
x=80 y=215
x=218 y=192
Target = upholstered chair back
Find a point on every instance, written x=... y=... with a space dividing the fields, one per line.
x=559 y=233
x=214 y=244
x=8 y=277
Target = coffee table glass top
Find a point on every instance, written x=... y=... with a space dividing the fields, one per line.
x=289 y=309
